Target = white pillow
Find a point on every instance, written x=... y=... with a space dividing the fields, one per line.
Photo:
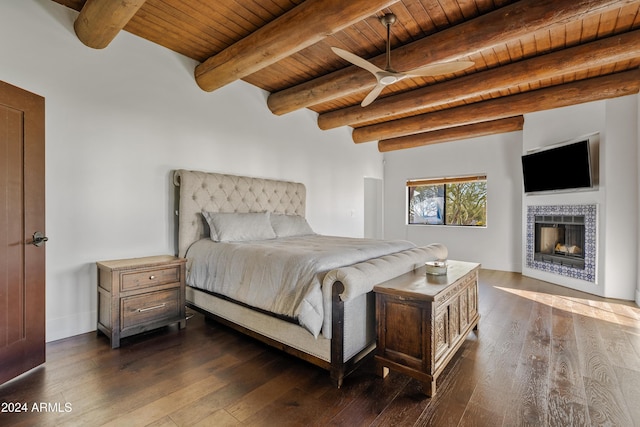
x=239 y=227
x=290 y=225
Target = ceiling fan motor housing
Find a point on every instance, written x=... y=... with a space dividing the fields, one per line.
x=388 y=19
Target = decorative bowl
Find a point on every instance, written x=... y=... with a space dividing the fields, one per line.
x=436 y=268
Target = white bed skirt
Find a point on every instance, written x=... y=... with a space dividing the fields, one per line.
x=359 y=324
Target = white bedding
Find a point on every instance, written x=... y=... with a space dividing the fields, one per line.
x=282 y=276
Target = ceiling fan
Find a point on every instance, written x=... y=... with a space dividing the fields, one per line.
x=390 y=76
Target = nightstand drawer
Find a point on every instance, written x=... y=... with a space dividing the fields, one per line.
x=149 y=308
x=152 y=277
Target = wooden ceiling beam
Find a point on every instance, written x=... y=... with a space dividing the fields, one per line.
x=594 y=89
x=495 y=28
x=577 y=59
x=100 y=21
x=492 y=127
x=297 y=29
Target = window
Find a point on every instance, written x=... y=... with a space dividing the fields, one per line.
x=448 y=201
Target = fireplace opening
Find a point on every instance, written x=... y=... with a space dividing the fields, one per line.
x=560 y=239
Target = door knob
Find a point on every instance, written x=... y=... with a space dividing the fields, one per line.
x=39 y=239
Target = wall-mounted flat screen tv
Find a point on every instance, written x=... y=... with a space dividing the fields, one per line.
x=560 y=168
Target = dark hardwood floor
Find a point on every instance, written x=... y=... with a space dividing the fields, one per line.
x=544 y=355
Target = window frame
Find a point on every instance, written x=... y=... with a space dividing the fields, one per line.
x=444 y=181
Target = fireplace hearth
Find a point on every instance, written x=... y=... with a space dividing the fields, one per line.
x=561 y=239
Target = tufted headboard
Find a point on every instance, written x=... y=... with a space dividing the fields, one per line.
x=214 y=192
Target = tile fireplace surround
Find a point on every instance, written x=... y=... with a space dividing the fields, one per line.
x=590 y=213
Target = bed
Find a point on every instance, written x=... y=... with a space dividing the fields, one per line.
x=255 y=264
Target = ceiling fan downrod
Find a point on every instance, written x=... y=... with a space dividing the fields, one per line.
x=388 y=20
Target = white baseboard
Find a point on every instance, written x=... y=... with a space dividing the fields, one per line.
x=68 y=326
x=638 y=297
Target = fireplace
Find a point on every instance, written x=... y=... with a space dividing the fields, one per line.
x=561 y=239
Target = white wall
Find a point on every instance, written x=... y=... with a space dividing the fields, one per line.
x=373 y=207
x=501 y=245
x=638 y=181
x=497 y=246
x=551 y=127
x=119 y=120
x=615 y=120
x=619 y=156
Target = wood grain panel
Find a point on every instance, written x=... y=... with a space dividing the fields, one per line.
x=530 y=385
x=609 y=86
x=12 y=232
x=239 y=378
x=426 y=31
x=404 y=340
x=567 y=400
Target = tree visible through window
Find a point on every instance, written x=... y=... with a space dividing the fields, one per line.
x=448 y=201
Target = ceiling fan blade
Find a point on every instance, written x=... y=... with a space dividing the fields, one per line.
x=438 y=69
x=356 y=60
x=372 y=95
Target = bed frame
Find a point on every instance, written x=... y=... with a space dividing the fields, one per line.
x=352 y=340
x=352 y=337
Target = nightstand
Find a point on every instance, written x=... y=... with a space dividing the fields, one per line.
x=139 y=294
x=422 y=320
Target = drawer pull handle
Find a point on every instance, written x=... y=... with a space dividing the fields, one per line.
x=140 y=310
x=152 y=277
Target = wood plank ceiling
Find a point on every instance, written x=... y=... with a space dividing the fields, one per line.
x=528 y=55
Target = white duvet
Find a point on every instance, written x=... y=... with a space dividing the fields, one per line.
x=282 y=276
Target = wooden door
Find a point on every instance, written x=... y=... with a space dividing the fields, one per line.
x=22 y=263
